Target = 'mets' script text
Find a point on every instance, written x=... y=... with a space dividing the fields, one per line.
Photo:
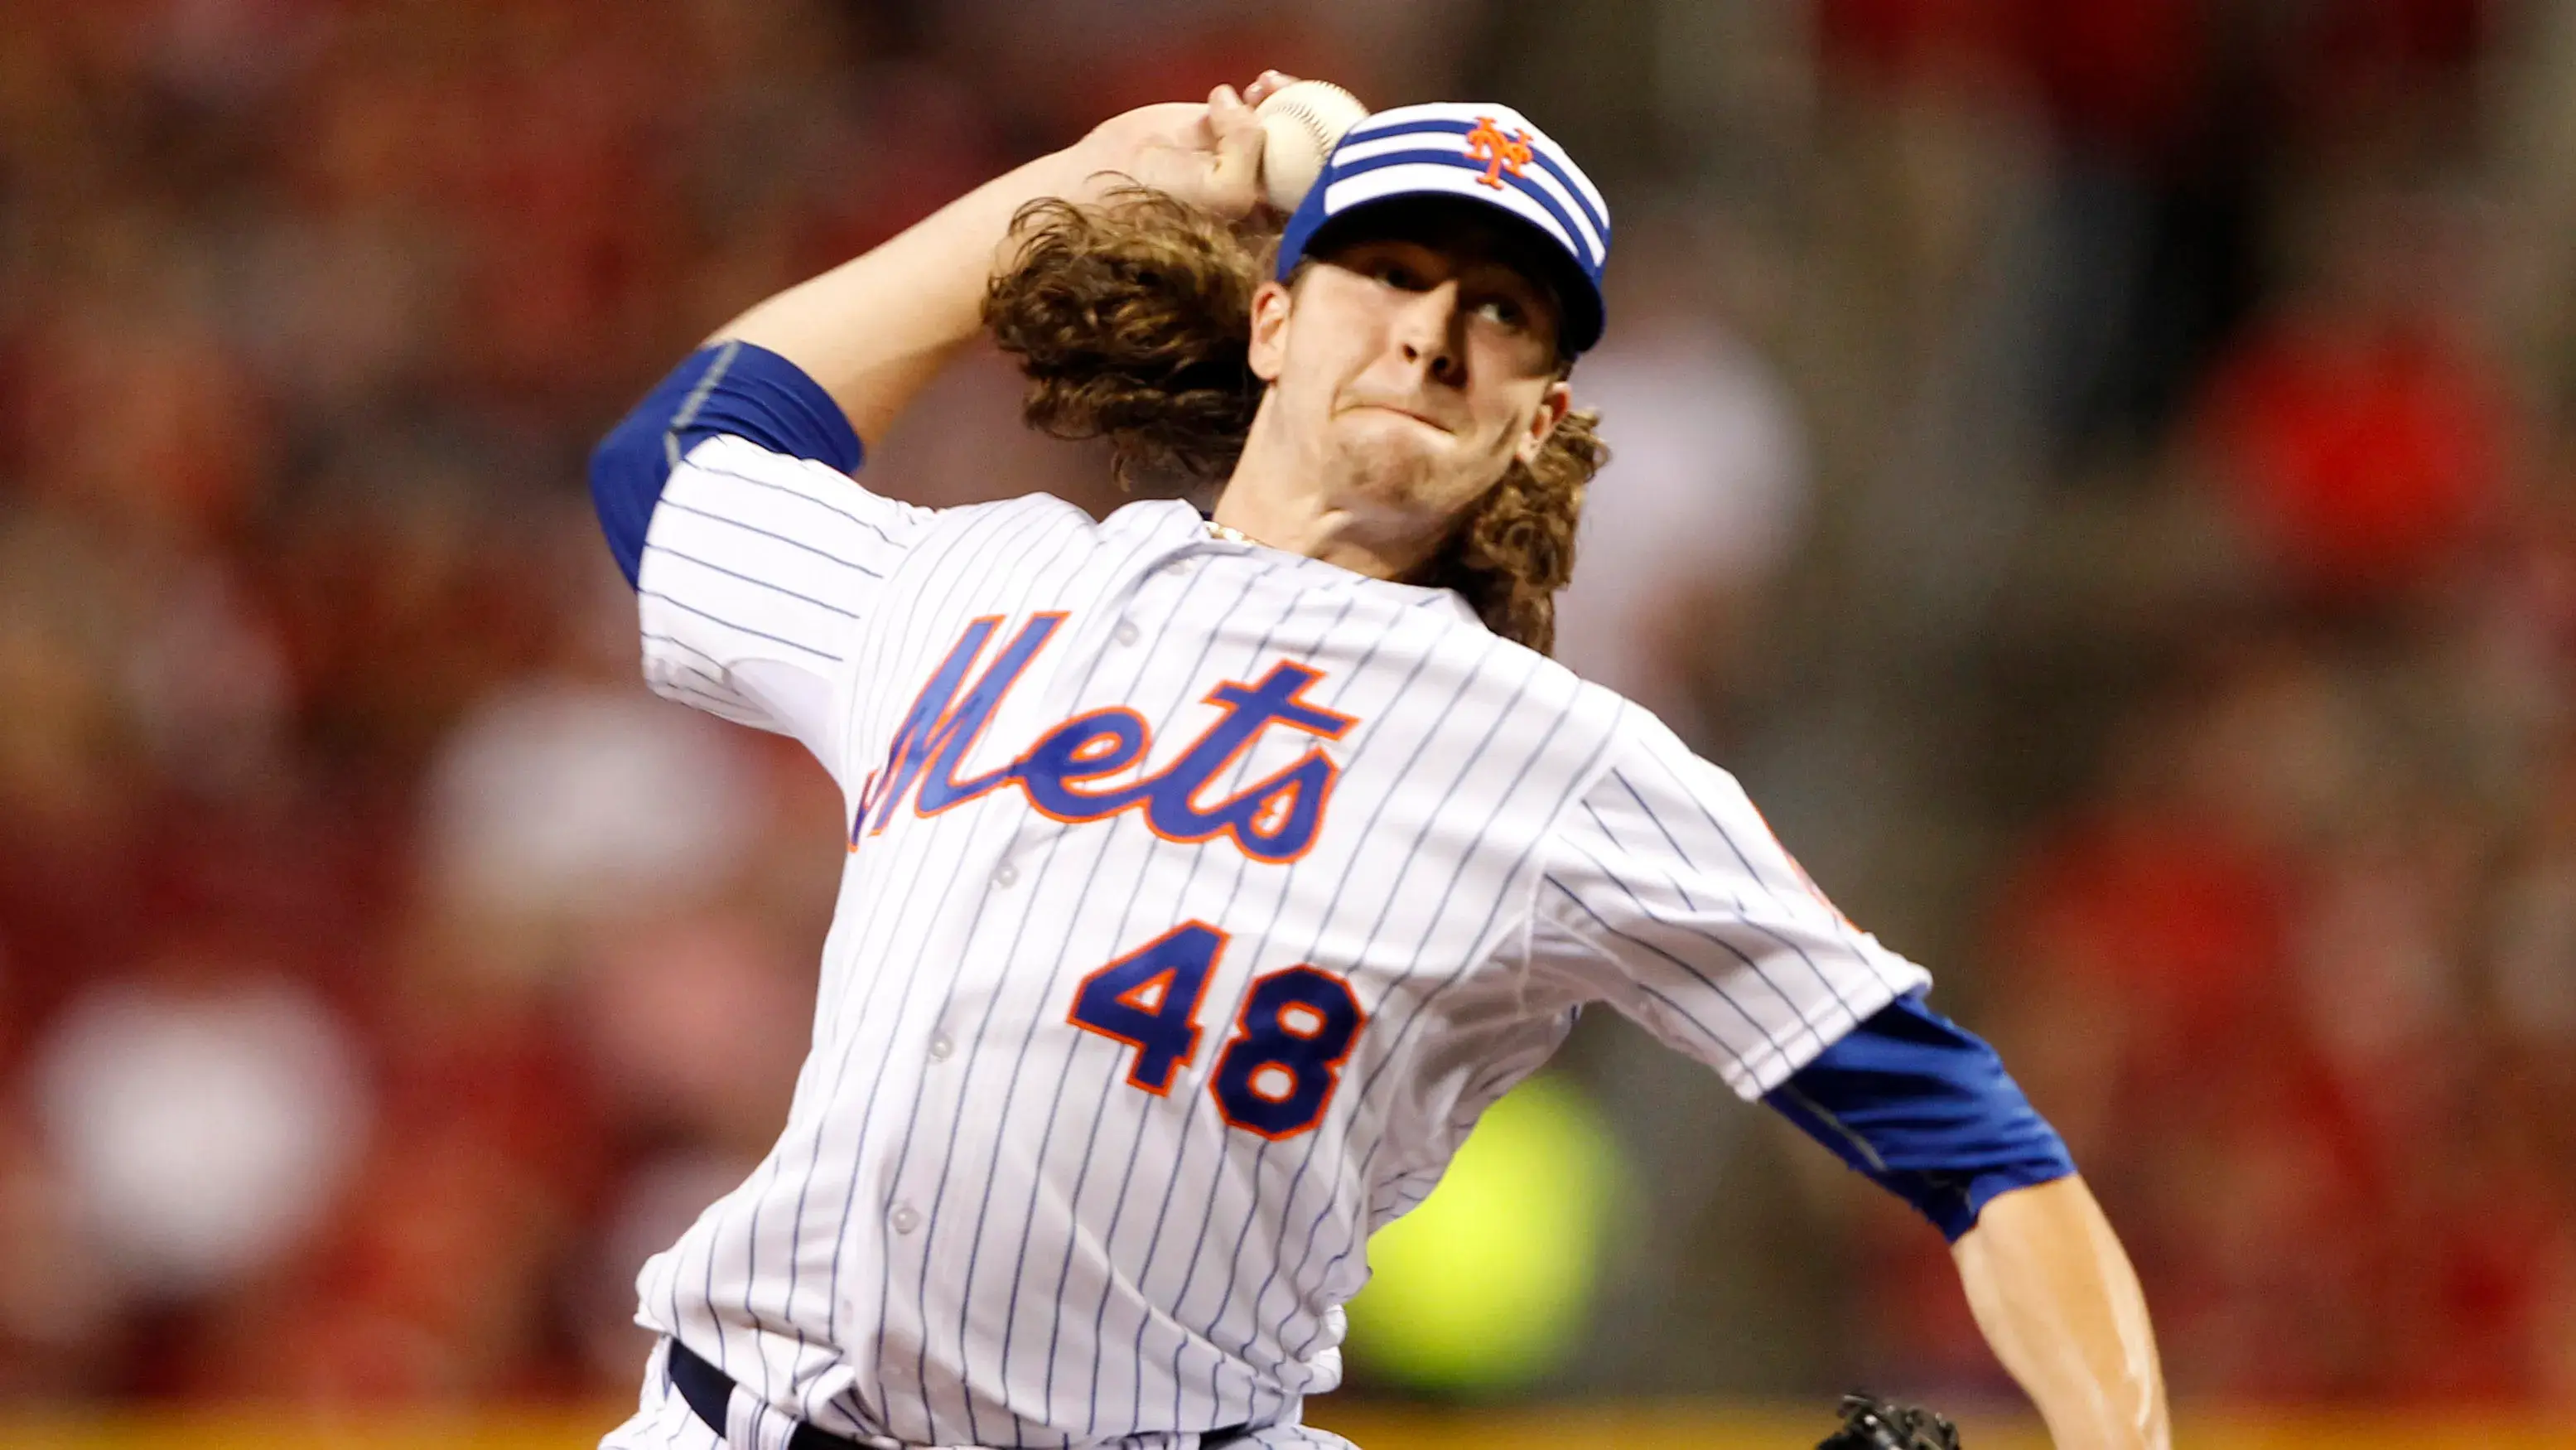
x=1066 y=773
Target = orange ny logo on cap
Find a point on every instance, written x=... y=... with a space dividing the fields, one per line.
x=1499 y=152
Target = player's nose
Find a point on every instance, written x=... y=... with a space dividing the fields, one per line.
x=1427 y=332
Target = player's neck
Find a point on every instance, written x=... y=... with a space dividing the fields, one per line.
x=1278 y=501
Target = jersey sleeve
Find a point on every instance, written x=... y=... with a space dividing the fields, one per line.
x=1663 y=893
x=756 y=558
x=1924 y=1108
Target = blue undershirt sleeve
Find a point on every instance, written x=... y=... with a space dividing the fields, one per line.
x=730 y=388
x=1924 y=1108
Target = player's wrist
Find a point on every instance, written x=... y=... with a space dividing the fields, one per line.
x=1078 y=173
x=1092 y=169
x=1206 y=154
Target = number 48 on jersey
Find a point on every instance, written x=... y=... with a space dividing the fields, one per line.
x=1278 y=1071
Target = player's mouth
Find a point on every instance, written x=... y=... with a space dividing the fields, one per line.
x=1401 y=411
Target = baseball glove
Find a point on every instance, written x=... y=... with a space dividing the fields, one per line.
x=1870 y=1423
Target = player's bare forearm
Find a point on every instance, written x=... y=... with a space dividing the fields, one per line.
x=2061 y=1307
x=875 y=329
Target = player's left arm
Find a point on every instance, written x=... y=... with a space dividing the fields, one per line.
x=1664 y=892
x=1926 y=1109
x=2062 y=1309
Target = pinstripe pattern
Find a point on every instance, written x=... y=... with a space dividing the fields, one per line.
x=1667 y=885
x=974 y=1229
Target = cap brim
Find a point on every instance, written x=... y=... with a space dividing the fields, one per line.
x=1580 y=312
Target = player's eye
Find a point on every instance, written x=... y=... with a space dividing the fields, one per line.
x=1397 y=275
x=1503 y=311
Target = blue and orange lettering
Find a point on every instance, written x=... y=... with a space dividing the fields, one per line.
x=941 y=727
x=1085 y=747
x=1274 y=819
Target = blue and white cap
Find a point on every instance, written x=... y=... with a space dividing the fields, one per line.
x=1476 y=152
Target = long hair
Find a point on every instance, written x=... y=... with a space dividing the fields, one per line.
x=1132 y=321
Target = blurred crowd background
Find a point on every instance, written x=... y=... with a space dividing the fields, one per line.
x=2101 y=473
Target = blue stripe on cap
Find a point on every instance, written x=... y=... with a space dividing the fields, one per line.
x=1464 y=162
x=1442 y=126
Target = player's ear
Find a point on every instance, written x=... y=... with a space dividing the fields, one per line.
x=1552 y=408
x=1271 y=304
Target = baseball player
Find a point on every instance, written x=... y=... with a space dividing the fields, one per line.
x=1208 y=876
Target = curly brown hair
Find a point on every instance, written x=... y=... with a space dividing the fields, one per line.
x=1132 y=319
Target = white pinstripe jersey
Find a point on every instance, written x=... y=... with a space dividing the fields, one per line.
x=1201 y=897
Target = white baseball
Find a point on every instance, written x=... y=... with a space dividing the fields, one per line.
x=1301 y=122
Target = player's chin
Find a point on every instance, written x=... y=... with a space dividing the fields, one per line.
x=1433 y=484
x=1390 y=460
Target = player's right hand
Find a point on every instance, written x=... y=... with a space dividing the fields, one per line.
x=1208 y=155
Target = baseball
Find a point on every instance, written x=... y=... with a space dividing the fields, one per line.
x=1300 y=123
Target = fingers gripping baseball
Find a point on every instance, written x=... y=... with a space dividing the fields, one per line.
x=1270 y=84
x=1234 y=180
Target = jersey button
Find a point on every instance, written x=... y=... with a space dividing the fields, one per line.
x=1125 y=633
x=1006 y=874
x=941 y=1047
x=1181 y=566
x=904 y=1219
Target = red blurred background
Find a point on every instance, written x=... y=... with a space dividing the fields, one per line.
x=2100 y=473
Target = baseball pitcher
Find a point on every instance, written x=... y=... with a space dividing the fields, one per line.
x=1208 y=875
